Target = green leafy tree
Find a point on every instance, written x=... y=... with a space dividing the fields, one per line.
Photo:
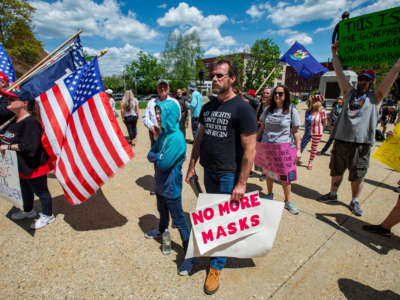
x=144 y=72
x=115 y=82
x=180 y=57
x=264 y=55
x=15 y=32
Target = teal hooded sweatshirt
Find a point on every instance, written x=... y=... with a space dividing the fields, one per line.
x=168 y=152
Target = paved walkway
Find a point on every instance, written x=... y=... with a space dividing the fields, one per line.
x=97 y=250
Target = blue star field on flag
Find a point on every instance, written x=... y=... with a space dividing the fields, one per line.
x=77 y=53
x=6 y=65
x=84 y=83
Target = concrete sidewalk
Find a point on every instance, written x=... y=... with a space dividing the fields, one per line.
x=97 y=250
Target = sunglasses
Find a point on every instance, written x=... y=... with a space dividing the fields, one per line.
x=219 y=75
x=280 y=94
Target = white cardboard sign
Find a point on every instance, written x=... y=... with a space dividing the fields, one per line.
x=253 y=241
x=9 y=179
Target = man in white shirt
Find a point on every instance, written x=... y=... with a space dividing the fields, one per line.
x=149 y=116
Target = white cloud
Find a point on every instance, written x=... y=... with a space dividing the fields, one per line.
x=164 y=5
x=215 y=51
x=116 y=58
x=302 y=38
x=63 y=17
x=190 y=19
x=293 y=35
x=254 y=11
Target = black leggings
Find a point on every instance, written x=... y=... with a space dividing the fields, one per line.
x=130 y=123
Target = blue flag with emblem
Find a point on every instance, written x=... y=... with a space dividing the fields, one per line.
x=66 y=64
x=302 y=61
x=6 y=65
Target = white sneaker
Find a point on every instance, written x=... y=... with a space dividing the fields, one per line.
x=43 y=221
x=20 y=215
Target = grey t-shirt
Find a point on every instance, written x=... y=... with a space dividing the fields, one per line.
x=357 y=122
x=277 y=125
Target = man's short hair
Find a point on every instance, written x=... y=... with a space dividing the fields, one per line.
x=232 y=71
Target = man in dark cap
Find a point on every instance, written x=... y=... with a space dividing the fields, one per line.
x=355 y=128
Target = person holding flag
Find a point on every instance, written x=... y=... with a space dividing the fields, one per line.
x=23 y=135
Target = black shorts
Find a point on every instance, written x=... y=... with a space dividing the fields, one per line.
x=352 y=156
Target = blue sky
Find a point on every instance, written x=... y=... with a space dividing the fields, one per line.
x=126 y=27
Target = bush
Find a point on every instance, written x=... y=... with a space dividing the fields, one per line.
x=142 y=104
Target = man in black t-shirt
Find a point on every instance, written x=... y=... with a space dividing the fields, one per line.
x=226 y=145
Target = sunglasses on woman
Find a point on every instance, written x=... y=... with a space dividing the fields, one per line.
x=280 y=94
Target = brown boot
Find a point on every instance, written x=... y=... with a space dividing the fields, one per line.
x=212 y=282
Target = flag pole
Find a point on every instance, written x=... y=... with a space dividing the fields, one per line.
x=48 y=57
x=266 y=79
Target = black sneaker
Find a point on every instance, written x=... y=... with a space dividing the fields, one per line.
x=327 y=198
x=397 y=190
x=355 y=208
x=320 y=153
x=378 y=229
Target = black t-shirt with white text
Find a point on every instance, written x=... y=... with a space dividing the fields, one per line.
x=221 y=150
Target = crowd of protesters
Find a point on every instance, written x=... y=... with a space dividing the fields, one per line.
x=226 y=152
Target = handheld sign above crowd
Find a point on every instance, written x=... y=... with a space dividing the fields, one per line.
x=277 y=160
x=244 y=230
x=389 y=152
x=10 y=189
x=370 y=39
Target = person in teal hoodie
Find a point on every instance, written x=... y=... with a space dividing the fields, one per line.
x=168 y=154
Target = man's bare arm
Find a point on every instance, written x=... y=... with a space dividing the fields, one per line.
x=248 y=141
x=344 y=85
x=384 y=87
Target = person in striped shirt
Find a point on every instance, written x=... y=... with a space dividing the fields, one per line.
x=318 y=123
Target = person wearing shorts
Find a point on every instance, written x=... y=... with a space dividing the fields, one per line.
x=355 y=128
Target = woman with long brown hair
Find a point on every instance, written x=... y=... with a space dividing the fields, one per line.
x=130 y=114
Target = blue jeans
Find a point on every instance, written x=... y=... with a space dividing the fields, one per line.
x=219 y=183
x=37 y=186
x=195 y=126
x=328 y=144
x=166 y=206
x=305 y=140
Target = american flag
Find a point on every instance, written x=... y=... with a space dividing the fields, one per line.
x=83 y=135
x=6 y=65
x=77 y=53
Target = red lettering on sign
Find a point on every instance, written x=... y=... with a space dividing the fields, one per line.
x=234 y=205
x=207 y=236
x=220 y=231
x=244 y=202
x=232 y=228
x=223 y=208
x=242 y=224
x=254 y=200
x=197 y=217
x=255 y=220
x=208 y=213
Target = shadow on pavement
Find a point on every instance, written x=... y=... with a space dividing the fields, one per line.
x=149 y=222
x=379 y=184
x=146 y=182
x=24 y=224
x=93 y=214
x=354 y=290
x=305 y=192
x=353 y=228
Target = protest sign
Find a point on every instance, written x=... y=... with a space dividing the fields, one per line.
x=250 y=244
x=389 y=152
x=277 y=160
x=370 y=39
x=9 y=179
x=226 y=221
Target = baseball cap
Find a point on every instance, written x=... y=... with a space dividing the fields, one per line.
x=162 y=81
x=109 y=91
x=252 y=93
x=368 y=73
x=192 y=86
x=20 y=93
x=3 y=77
